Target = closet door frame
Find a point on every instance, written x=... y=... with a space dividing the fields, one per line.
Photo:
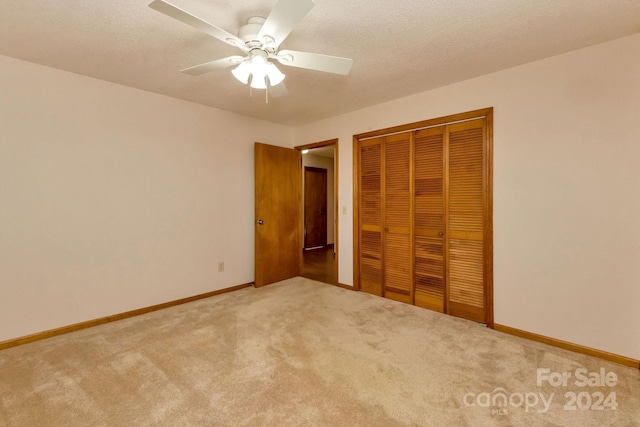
x=487 y=169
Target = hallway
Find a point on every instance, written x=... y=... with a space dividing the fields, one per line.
x=319 y=264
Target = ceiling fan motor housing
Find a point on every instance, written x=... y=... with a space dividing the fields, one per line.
x=249 y=31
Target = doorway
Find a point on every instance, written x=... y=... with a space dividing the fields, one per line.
x=319 y=210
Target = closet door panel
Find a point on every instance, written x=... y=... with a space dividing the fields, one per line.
x=429 y=219
x=466 y=278
x=429 y=273
x=398 y=282
x=465 y=273
x=370 y=257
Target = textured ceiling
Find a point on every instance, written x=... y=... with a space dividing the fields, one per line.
x=398 y=47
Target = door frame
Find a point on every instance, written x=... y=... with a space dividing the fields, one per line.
x=329 y=142
x=487 y=113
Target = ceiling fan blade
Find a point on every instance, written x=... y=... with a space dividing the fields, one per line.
x=315 y=61
x=218 y=64
x=175 y=12
x=278 y=90
x=284 y=17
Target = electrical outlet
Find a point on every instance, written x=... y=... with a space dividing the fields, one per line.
x=344 y=210
x=220 y=267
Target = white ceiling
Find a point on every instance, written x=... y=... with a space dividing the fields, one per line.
x=398 y=47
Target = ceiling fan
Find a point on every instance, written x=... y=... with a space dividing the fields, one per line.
x=260 y=39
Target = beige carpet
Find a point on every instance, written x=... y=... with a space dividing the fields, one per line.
x=306 y=354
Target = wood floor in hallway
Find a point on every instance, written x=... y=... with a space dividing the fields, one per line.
x=319 y=264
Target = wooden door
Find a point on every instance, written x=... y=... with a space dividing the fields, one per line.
x=315 y=207
x=277 y=209
x=429 y=244
x=370 y=216
x=465 y=206
x=397 y=218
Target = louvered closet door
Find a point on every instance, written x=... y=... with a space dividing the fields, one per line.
x=465 y=217
x=429 y=219
x=397 y=208
x=370 y=257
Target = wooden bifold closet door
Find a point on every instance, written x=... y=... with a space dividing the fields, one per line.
x=370 y=218
x=424 y=210
x=429 y=219
x=464 y=215
x=397 y=208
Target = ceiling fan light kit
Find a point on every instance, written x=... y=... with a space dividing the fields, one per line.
x=258 y=70
x=260 y=39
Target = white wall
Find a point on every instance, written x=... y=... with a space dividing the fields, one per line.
x=324 y=163
x=111 y=196
x=114 y=199
x=566 y=188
